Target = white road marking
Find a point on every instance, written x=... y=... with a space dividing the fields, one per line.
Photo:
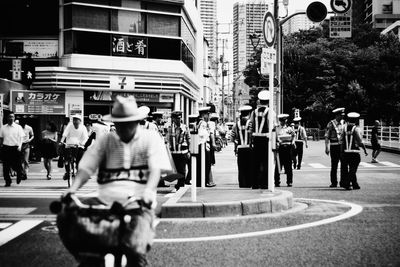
x=354 y=210
x=317 y=165
x=4 y=225
x=368 y=165
x=390 y=164
x=16 y=211
x=16 y=230
x=176 y=196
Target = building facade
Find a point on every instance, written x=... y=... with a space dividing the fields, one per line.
x=382 y=13
x=208 y=14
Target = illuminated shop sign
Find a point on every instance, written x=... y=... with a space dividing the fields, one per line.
x=130 y=46
x=38 y=102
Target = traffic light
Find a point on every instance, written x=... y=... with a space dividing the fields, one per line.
x=28 y=75
x=316 y=11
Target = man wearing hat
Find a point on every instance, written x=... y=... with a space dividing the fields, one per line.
x=351 y=143
x=205 y=137
x=241 y=136
x=129 y=162
x=300 y=138
x=285 y=140
x=333 y=133
x=74 y=137
x=260 y=133
x=178 y=139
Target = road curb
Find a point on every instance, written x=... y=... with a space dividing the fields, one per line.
x=278 y=202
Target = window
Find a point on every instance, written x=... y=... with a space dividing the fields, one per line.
x=91 y=43
x=187 y=57
x=162 y=25
x=162 y=48
x=163 y=7
x=127 y=3
x=187 y=36
x=86 y=17
x=128 y=21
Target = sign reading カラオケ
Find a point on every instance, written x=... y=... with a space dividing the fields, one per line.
x=37 y=102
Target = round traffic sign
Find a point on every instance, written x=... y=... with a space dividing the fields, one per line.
x=340 y=6
x=269 y=29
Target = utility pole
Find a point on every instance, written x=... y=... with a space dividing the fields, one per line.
x=222 y=85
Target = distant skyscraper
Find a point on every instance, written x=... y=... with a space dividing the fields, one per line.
x=208 y=14
x=299 y=22
x=248 y=18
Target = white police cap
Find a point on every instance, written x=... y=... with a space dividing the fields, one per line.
x=283 y=116
x=214 y=116
x=353 y=115
x=157 y=113
x=297 y=119
x=192 y=116
x=338 y=110
x=204 y=109
x=263 y=95
x=245 y=108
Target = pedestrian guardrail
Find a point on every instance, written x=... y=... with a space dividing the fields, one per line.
x=388 y=136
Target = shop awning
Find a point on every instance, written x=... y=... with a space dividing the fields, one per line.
x=6 y=86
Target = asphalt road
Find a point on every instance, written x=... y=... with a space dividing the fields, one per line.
x=370 y=238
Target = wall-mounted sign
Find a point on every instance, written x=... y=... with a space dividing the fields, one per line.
x=38 y=102
x=140 y=97
x=16 y=69
x=38 y=48
x=122 y=83
x=166 y=98
x=129 y=46
x=340 y=26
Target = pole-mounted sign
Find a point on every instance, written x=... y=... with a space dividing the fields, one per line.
x=340 y=6
x=269 y=29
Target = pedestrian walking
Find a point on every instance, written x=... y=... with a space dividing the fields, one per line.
x=205 y=138
x=351 y=143
x=11 y=136
x=179 y=141
x=333 y=140
x=26 y=147
x=75 y=137
x=129 y=162
x=241 y=136
x=285 y=140
x=260 y=134
x=48 y=146
x=158 y=121
x=148 y=122
x=300 y=139
x=376 y=146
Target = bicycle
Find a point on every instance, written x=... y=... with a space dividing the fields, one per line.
x=93 y=232
x=72 y=155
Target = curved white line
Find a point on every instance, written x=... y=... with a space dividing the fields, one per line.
x=354 y=210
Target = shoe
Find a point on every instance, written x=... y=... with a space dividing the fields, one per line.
x=188 y=183
x=18 y=180
x=210 y=185
x=298 y=167
x=48 y=176
x=277 y=185
x=348 y=188
x=66 y=176
x=289 y=185
x=7 y=185
x=356 y=187
x=374 y=161
x=333 y=186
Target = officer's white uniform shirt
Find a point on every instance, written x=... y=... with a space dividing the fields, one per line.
x=204 y=132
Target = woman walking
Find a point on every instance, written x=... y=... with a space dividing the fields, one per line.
x=49 y=146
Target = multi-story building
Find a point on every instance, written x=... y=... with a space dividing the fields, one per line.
x=297 y=23
x=248 y=19
x=382 y=13
x=87 y=51
x=208 y=14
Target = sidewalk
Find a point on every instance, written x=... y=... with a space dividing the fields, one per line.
x=226 y=199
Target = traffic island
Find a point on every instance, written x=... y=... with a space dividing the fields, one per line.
x=226 y=202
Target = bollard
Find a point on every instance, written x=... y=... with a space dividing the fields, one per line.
x=203 y=165
x=194 y=178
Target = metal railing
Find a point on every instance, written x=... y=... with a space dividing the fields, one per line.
x=388 y=136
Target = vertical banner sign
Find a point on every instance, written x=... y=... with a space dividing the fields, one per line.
x=16 y=69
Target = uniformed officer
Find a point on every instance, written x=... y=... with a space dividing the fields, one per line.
x=178 y=139
x=351 y=143
x=300 y=139
x=241 y=136
x=148 y=122
x=285 y=140
x=158 y=117
x=260 y=134
x=205 y=137
x=193 y=122
x=333 y=133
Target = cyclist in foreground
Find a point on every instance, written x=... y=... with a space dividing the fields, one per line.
x=129 y=162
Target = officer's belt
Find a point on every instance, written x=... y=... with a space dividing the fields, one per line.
x=286 y=144
x=261 y=134
x=352 y=151
x=334 y=143
x=243 y=146
x=180 y=152
x=299 y=141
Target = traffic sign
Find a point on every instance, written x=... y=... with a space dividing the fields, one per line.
x=268 y=56
x=340 y=6
x=340 y=26
x=316 y=11
x=269 y=29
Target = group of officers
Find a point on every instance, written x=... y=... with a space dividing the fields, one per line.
x=250 y=135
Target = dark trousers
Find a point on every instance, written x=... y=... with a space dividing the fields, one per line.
x=11 y=159
x=350 y=162
x=245 y=166
x=335 y=158
x=207 y=166
x=260 y=153
x=180 y=161
x=285 y=158
x=298 y=155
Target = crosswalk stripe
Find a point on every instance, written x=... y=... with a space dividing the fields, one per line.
x=390 y=164
x=4 y=225
x=317 y=165
x=368 y=165
x=17 y=229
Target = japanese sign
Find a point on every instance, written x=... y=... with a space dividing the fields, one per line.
x=340 y=26
x=129 y=46
x=142 y=97
x=268 y=57
x=38 y=102
x=122 y=82
x=38 y=48
x=16 y=69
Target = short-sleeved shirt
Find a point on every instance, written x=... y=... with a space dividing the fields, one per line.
x=75 y=136
x=124 y=168
x=204 y=131
x=285 y=134
x=333 y=131
x=300 y=134
x=351 y=138
x=28 y=132
x=12 y=134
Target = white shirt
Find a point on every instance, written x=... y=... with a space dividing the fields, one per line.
x=12 y=135
x=75 y=136
x=28 y=132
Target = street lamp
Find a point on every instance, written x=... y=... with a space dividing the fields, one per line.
x=255 y=40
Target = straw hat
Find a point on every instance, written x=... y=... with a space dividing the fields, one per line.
x=125 y=109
